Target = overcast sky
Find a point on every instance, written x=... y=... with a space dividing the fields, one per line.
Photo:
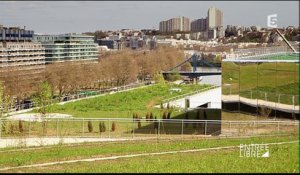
x=80 y=16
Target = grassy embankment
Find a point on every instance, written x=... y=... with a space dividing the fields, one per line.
x=283 y=158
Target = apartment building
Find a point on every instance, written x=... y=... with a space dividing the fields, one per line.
x=179 y=24
x=68 y=47
x=199 y=25
x=19 y=55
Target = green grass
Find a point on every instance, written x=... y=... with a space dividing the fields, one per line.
x=282 y=158
x=123 y=104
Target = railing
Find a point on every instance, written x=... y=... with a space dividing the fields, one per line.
x=140 y=128
x=79 y=96
x=188 y=94
x=289 y=99
x=258 y=52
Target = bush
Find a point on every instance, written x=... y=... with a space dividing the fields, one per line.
x=21 y=129
x=169 y=115
x=151 y=115
x=102 y=127
x=186 y=116
x=139 y=124
x=147 y=116
x=90 y=126
x=113 y=126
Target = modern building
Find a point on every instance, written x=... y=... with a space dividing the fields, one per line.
x=15 y=34
x=19 y=55
x=199 y=25
x=179 y=24
x=263 y=84
x=68 y=47
x=214 y=17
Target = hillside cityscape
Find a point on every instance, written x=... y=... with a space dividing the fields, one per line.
x=187 y=96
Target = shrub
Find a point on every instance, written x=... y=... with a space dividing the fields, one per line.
x=21 y=129
x=151 y=115
x=102 y=127
x=90 y=126
x=139 y=124
x=113 y=126
x=169 y=115
x=147 y=116
x=164 y=115
x=161 y=106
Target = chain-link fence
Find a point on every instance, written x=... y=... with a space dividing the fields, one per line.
x=140 y=128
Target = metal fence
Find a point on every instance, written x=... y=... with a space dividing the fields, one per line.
x=140 y=128
x=260 y=52
x=289 y=99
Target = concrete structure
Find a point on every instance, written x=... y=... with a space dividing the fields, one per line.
x=25 y=58
x=181 y=24
x=215 y=17
x=68 y=47
x=15 y=34
x=199 y=25
x=19 y=56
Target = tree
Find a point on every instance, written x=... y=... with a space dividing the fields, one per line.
x=43 y=98
x=5 y=101
x=102 y=127
x=42 y=101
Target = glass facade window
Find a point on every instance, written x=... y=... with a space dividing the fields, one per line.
x=265 y=87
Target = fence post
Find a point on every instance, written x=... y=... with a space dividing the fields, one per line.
x=181 y=128
x=278 y=126
x=108 y=128
x=57 y=127
x=158 y=131
x=82 y=127
x=230 y=128
x=133 y=124
x=205 y=127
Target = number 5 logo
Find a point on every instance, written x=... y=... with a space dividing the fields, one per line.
x=272 y=19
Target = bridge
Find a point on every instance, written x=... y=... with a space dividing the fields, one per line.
x=195 y=59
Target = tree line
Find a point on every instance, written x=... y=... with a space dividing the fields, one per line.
x=111 y=70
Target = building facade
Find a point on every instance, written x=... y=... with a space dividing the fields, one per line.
x=68 y=47
x=15 y=34
x=199 y=25
x=264 y=85
x=20 y=57
x=215 y=18
x=180 y=24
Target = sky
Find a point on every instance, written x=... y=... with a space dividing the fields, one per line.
x=54 y=17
